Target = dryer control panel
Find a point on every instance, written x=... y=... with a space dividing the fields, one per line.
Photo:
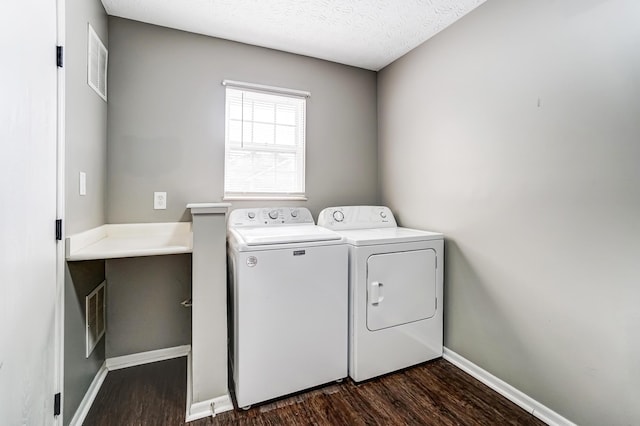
x=270 y=216
x=357 y=217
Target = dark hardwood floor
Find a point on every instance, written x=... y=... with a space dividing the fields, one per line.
x=434 y=393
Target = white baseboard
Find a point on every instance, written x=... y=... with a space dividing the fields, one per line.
x=203 y=409
x=89 y=397
x=132 y=360
x=210 y=407
x=519 y=398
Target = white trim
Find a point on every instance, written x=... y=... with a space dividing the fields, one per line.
x=519 y=398
x=140 y=358
x=89 y=397
x=203 y=409
x=265 y=198
x=263 y=87
x=210 y=407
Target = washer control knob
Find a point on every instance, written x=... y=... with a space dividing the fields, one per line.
x=338 y=216
x=294 y=212
x=383 y=215
x=251 y=215
x=273 y=214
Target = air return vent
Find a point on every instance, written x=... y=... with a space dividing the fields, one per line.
x=97 y=64
x=95 y=314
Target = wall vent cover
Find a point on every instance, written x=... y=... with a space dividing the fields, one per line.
x=95 y=316
x=97 y=64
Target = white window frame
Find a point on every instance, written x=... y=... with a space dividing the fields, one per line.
x=299 y=148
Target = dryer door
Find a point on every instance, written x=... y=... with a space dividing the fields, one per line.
x=401 y=288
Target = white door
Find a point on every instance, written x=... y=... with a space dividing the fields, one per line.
x=28 y=211
x=401 y=288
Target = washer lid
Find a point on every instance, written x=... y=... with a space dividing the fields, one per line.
x=285 y=234
x=367 y=237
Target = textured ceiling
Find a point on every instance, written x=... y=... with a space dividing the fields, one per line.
x=364 y=33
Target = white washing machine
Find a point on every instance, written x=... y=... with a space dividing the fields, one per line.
x=288 y=292
x=395 y=290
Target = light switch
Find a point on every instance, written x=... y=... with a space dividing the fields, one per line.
x=83 y=183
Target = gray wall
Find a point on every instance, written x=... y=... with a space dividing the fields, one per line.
x=166 y=120
x=143 y=304
x=166 y=133
x=85 y=150
x=86 y=120
x=516 y=133
x=81 y=278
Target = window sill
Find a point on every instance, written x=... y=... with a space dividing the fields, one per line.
x=265 y=198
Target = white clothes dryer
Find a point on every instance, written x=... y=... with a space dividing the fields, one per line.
x=395 y=290
x=288 y=289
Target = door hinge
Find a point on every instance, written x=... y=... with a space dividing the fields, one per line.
x=60 y=56
x=56 y=404
x=59 y=229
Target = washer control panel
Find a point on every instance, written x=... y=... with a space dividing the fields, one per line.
x=270 y=216
x=356 y=217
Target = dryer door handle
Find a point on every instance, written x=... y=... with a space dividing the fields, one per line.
x=375 y=293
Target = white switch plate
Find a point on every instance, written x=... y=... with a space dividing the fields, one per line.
x=159 y=200
x=83 y=183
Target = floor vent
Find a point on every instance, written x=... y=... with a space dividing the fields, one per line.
x=97 y=64
x=95 y=316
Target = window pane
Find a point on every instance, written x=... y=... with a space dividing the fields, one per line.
x=239 y=165
x=247 y=111
x=285 y=135
x=264 y=172
x=264 y=112
x=235 y=130
x=286 y=176
x=263 y=133
x=286 y=114
x=247 y=132
x=235 y=111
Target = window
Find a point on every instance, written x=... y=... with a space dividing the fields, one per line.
x=264 y=143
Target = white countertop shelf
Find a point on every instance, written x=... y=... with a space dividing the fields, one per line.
x=130 y=240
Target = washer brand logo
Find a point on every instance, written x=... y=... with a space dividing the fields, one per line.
x=252 y=261
x=299 y=252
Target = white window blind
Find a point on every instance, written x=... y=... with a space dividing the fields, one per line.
x=264 y=144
